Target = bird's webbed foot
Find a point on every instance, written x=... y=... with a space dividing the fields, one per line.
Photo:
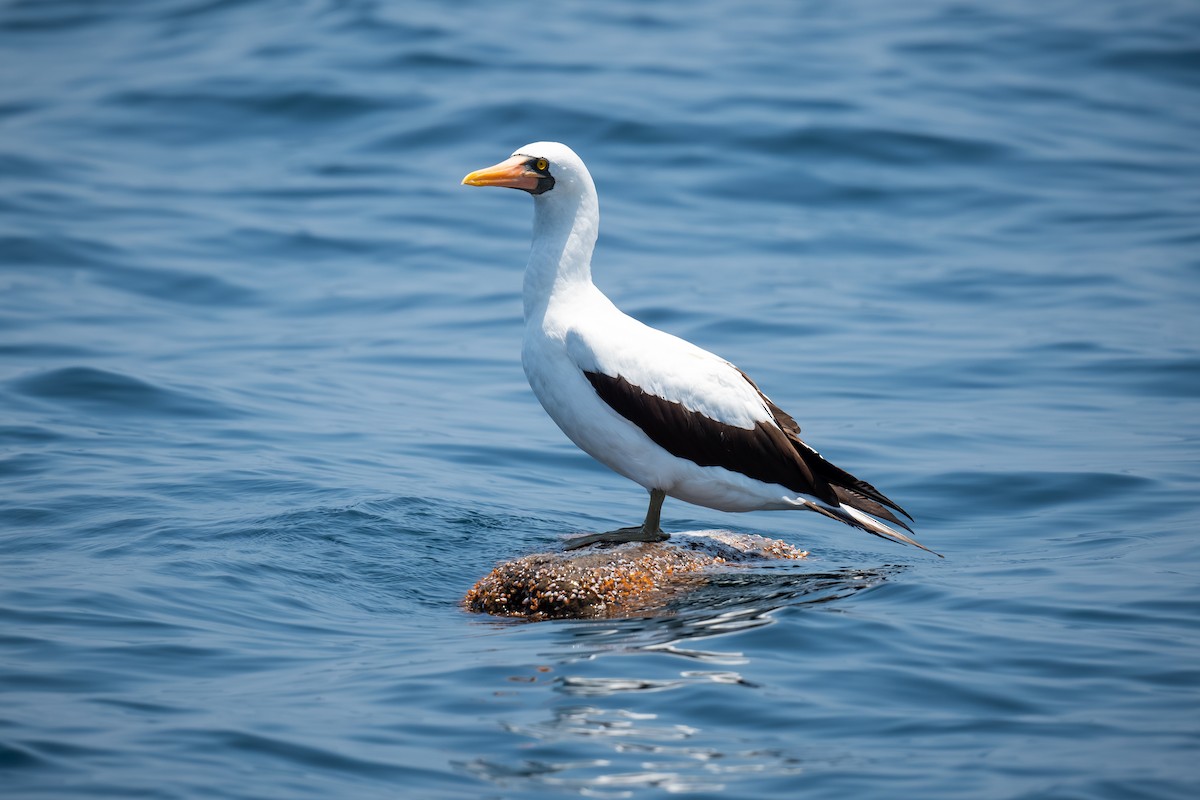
x=637 y=533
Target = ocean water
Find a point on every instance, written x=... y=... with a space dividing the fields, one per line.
x=263 y=422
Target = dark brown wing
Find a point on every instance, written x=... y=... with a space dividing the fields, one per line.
x=769 y=453
x=764 y=452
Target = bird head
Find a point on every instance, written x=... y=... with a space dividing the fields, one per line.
x=535 y=168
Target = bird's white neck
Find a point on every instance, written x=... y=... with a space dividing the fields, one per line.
x=560 y=258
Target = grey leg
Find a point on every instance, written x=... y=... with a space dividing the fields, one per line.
x=649 y=531
x=654 y=512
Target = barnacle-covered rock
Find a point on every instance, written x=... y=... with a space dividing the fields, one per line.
x=614 y=580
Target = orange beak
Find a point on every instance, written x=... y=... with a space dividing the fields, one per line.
x=511 y=173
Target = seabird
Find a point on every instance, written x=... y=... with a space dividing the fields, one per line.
x=670 y=416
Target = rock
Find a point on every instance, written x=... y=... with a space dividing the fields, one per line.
x=614 y=580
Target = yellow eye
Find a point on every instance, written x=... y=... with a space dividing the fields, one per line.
x=542 y=164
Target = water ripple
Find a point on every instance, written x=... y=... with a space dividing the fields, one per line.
x=116 y=393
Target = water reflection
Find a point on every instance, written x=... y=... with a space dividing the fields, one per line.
x=731 y=601
x=619 y=715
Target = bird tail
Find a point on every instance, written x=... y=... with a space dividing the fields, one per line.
x=857 y=519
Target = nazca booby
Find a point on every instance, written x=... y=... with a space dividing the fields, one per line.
x=666 y=414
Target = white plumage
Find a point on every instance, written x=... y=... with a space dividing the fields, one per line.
x=659 y=410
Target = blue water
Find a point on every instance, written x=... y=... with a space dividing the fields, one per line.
x=263 y=423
